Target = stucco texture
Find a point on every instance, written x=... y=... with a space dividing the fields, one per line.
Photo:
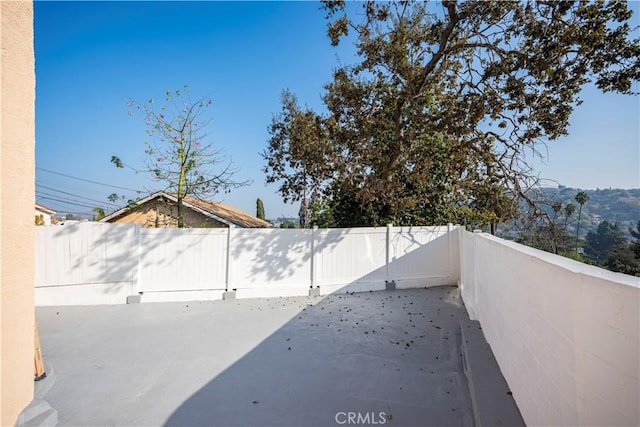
x=17 y=197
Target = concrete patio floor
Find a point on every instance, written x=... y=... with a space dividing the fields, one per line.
x=391 y=357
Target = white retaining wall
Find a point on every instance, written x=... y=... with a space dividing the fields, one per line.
x=565 y=334
x=97 y=263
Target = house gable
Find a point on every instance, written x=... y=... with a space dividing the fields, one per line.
x=160 y=210
x=163 y=213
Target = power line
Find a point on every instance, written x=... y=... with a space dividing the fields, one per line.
x=82 y=205
x=74 y=195
x=58 y=198
x=87 y=180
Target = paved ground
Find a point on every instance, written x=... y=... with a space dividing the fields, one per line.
x=391 y=357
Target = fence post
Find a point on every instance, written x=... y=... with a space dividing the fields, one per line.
x=138 y=239
x=228 y=263
x=387 y=280
x=313 y=256
x=450 y=250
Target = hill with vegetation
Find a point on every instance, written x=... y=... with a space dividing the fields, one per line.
x=621 y=206
x=607 y=221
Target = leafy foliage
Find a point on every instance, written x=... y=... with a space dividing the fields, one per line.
x=622 y=260
x=99 y=213
x=435 y=121
x=608 y=247
x=288 y=224
x=635 y=246
x=599 y=243
x=260 y=209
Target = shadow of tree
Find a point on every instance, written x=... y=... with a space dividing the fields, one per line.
x=277 y=255
x=390 y=353
x=101 y=255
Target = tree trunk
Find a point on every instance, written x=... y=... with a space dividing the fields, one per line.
x=578 y=231
x=180 y=213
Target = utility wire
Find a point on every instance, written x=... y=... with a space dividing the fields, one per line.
x=74 y=195
x=82 y=205
x=58 y=198
x=87 y=180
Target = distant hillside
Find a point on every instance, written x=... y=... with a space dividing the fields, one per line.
x=616 y=205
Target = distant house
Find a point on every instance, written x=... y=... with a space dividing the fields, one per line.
x=160 y=210
x=43 y=215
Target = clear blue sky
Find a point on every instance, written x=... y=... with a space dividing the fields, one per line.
x=93 y=57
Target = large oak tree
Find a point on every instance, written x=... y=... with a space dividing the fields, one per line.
x=436 y=121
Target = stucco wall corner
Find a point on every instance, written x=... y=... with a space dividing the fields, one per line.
x=17 y=197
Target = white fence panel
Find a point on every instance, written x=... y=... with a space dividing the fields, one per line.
x=419 y=255
x=263 y=259
x=350 y=256
x=113 y=261
x=85 y=253
x=182 y=259
x=85 y=263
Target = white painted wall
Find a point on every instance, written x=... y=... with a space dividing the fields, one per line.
x=102 y=263
x=565 y=334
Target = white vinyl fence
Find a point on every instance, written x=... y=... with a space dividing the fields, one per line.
x=96 y=263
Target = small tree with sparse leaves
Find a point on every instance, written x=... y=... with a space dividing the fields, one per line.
x=178 y=152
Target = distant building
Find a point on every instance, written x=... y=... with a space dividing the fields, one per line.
x=43 y=214
x=160 y=210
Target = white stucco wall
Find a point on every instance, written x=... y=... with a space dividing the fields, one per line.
x=565 y=334
x=17 y=195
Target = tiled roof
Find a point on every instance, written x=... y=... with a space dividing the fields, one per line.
x=229 y=213
x=216 y=210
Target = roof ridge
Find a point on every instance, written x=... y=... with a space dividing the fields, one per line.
x=218 y=210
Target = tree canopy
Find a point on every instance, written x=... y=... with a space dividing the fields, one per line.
x=448 y=100
x=608 y=247
x=599 y=242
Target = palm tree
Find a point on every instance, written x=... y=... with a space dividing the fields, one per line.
x=556 y=235
x=99 y=213
x=569 y=210
x=581 y=198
